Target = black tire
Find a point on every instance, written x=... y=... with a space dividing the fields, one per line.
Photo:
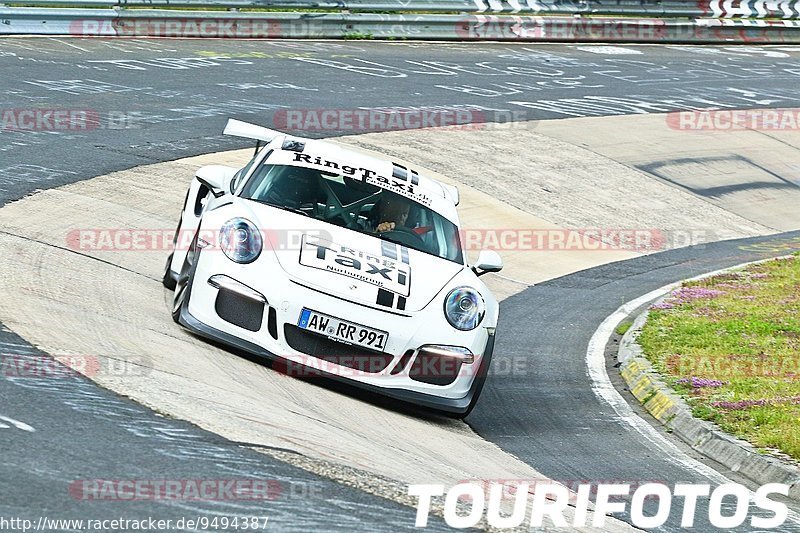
x=480 y=381
x=167 y=280
x=183 y=285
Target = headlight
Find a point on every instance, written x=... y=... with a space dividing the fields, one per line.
x=464 y=308
x=240 y=240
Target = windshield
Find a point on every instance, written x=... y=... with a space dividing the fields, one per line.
x=355 y=205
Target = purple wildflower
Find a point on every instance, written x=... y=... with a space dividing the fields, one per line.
x=685 y=294
x=698 y=383
x=741 y=404
x=662 y=305
x=745 y=404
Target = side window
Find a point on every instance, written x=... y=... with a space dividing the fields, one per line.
x=237 y=178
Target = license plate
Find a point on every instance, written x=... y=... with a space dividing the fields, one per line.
x=342 y=330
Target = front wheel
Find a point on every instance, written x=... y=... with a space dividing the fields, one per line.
x=167 y=280
x=183 y=285
x=480 y=380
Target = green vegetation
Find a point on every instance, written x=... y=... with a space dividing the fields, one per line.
x=730 y=345
x=623 y=328
x=357 y=36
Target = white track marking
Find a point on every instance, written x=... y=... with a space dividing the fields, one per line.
x=16 y=423
x=512 y=280
x=609 y=50
x=70 y=45
x=604 y=389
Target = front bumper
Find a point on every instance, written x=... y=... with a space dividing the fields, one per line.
x=285 y=299
x=448 y=405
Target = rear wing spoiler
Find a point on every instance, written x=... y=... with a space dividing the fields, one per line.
x=237 y=128
x=452 y=192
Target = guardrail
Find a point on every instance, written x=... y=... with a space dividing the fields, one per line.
x=666 y=21
x=777 y=9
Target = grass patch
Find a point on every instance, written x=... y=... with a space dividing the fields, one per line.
x=357 y=36
x=730 y=345
x=623 y=328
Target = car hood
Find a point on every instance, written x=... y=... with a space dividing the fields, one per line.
x=350 y=265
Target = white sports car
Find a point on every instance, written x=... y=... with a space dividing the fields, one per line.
x=336 y=262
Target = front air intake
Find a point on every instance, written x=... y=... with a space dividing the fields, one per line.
x=338 y=353
x=434 y=368
x=238 y=310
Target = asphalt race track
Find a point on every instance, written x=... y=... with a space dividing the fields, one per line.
x=161 y=100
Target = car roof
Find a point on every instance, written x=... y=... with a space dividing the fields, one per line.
x=410 y=181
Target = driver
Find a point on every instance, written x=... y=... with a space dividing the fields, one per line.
x=392 y=212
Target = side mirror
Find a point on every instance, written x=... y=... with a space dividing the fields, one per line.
x=216 y=178
x=488 y=261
